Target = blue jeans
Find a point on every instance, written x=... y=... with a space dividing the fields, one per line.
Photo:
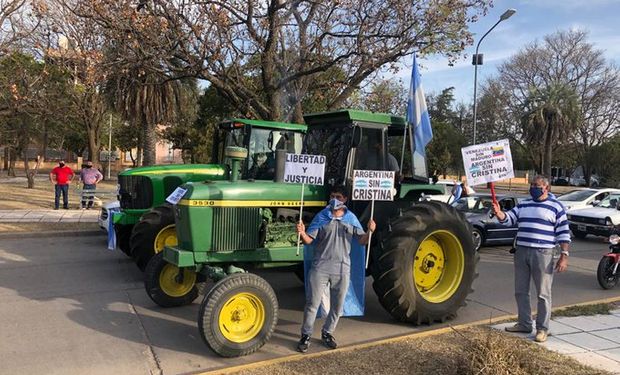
x=87 y=198
x=536 y=264
x=64 y=189
x=319 y=282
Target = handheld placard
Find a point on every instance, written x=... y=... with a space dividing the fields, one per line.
x=372 y=186
x=487 y=163
x=304 y=169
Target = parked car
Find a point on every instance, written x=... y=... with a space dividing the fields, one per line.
x=581 y=181
x=599 y=220
x=487 y=231
x=447 y=186
x=584 y=198
x=106 y=211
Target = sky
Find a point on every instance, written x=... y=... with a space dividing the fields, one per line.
x=533 y=20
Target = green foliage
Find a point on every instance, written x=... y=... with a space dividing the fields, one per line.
x=444 y=151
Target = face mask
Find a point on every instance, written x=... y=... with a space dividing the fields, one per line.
x=536 y=192
x=89 y=166
x=335 y=204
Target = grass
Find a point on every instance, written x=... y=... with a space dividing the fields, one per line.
x=470 y=351
x=595 y=309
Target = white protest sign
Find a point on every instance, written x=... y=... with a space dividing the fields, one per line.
x=488 y=162
x=176 y=195
x=373 y=185
x=304 y=169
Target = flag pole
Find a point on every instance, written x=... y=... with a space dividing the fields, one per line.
x=301 y=214
x=372 y=214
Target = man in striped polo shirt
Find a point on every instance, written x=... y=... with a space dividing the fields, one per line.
x=542 y=224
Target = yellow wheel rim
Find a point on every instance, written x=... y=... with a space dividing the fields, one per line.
x=242 y=317
x=171 y=282
x=166 y=237
x=438 y=266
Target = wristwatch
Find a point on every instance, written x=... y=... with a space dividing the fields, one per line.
x=565 y=252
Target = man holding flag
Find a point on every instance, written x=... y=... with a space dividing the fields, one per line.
x=418 y=120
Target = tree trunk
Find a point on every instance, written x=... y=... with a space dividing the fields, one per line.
x=150 y=144
x=5 y=167
x=93 y=146
x=12 y=157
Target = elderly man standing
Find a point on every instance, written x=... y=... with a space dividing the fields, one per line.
x=90 y=177
x=542 y=224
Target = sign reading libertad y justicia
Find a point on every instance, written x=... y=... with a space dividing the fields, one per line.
x=304 y=169
x=488 y=162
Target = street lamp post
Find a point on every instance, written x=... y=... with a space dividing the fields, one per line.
x=477 y=60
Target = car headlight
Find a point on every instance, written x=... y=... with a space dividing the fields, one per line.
x=569 y=217
x=608 y=222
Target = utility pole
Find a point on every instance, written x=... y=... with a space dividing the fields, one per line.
x=109 y=147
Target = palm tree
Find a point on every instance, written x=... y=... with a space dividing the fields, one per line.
x=146 y=100
x=549 y=117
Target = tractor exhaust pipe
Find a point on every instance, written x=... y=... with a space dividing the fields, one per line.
x=236 y=155
x=280 y=161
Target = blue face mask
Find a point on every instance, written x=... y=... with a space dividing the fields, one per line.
x=335 y=204
x=536 y=192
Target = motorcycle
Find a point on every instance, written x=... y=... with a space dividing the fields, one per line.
x=608 y=271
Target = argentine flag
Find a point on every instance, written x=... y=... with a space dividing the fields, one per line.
x=418 y=119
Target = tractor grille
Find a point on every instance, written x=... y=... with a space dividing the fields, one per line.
x=236 y=228
x=135 y=192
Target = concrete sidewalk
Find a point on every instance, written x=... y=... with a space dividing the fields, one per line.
x=592 y=340
x=50 y=216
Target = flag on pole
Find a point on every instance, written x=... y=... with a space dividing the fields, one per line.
x=417 y=114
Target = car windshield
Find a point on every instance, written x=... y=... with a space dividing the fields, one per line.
x=576 y=195
x=474 y=204
x=611 y=201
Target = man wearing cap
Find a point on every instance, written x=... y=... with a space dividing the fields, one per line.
x=331 y=232
x=90 y=177
x=61 y=176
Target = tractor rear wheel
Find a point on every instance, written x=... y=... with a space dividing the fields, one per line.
x=168 y=285
x=425 y=266
x=154 y=231
x=123 y=233
x=239 y=315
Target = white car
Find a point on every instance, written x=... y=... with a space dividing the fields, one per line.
x=447 y=188
x=106 y=211
x=584 y=198
x=599 y=220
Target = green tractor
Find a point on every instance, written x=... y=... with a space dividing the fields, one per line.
x=422 y=256
x=145 y=224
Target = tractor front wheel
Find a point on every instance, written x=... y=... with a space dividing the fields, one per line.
x=169 y=285
x=426 y=265
x=154 y=231
x=238 y=315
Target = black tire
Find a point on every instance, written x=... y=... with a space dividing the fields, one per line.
x=163 y=287
x=154 y=230
x=244 y=292
x=477 y=238
x=123 y=233
x=395 y=280
x=604 y=273
x=579 y=234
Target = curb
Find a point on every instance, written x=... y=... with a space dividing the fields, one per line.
x=62 y=233
x=416 y=335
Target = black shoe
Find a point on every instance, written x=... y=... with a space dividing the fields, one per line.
x=303 y=344
x=328 y=340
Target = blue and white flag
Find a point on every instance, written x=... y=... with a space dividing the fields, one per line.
x=111 y=231
x=417 y=116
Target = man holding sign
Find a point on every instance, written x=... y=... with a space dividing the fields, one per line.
x=331 y=232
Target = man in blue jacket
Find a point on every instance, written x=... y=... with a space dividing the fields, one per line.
x=331 y=232
x=542 y=224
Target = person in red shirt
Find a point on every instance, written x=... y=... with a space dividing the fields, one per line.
x=61 y=176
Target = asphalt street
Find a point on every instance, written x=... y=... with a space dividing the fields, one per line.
x=70 y=306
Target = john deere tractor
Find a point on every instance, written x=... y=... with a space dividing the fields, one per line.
x=146 y=222
x=422 y=257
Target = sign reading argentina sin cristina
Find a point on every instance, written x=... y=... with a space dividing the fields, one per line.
x=304 y=169
x=488 y=162
x=373 y=185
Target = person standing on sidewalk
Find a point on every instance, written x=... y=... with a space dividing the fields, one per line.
x=542 y=224
x=331 y=231
x=90 y=177
x=61 y=176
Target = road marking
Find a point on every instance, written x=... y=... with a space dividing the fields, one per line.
x=416 y=335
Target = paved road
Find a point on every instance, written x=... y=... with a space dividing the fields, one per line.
x=69 y=306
